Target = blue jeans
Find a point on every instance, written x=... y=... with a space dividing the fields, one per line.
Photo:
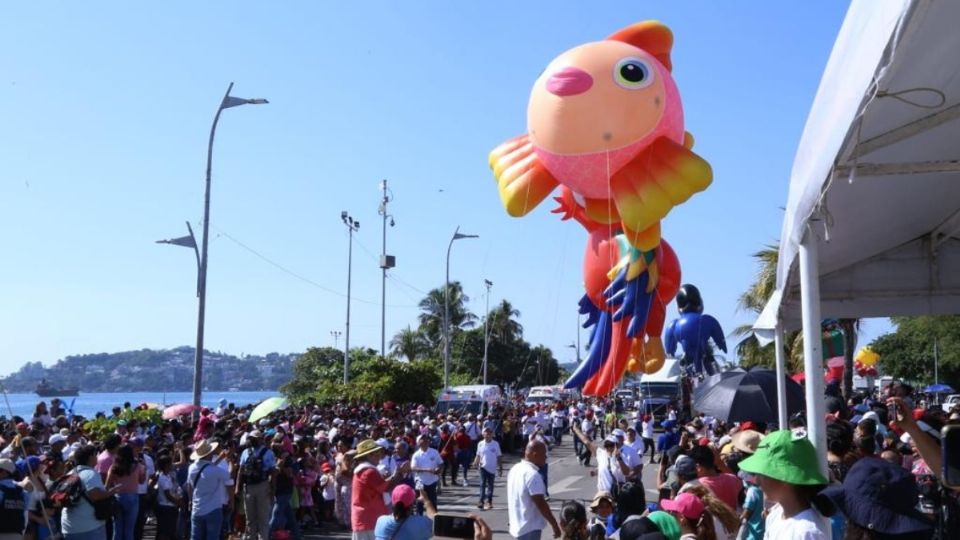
x=207 y=526
x=558 y=435
x=463 y=461
x=486 y=485
x=543 y=472
x=283 y=516
x=431 y=490
x=125 y=519
x=96 y=534
x=532 y=535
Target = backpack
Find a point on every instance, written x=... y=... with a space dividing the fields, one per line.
x=67 y=490
x=252 y=469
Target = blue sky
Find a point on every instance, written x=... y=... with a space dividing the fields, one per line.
x=105 y=109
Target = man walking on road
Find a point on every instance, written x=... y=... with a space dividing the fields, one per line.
x=257 y=465
x=527 y=508
x=488 y=460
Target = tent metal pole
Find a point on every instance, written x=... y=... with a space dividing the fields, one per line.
x=810 y=309
x=781 y=375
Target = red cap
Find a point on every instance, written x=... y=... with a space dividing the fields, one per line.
x=748 y=425
x=704 y=441
x=686 y=504
x=326 y=467
x=917 y=414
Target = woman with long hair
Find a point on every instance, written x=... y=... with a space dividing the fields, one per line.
x=726 y=524
x=696 y=522
x=124 y=478
x=573 y=521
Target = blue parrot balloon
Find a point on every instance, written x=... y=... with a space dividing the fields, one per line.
x=692 y=331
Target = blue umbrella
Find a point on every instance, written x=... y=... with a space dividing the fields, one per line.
x=939 y=388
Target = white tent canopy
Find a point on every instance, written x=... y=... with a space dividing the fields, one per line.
x=872 y=222
x=877 y=173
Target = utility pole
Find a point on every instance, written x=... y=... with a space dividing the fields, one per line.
x=486 y=330
x=386 y=261
x=352 y=225
x=336 y=338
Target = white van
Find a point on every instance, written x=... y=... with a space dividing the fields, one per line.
x=473 y=398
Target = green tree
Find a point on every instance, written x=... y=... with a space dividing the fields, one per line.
x=753 y=301
x=907 y=353
x=502 y=323
x=408 y=343
x=431 y=314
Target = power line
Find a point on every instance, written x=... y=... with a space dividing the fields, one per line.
x=294 y=274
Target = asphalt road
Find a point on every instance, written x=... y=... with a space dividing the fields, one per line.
x=568 y=480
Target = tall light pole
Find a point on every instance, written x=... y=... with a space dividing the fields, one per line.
x=227 y=102
x=352 y=225
x=336 y=338
x=457 y=235
x=386 y=261
x=486 y=331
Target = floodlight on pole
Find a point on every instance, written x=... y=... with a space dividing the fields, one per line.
x=353 y=226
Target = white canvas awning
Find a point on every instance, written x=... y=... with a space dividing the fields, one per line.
x=877 y=172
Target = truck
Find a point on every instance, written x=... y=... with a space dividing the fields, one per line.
x=657 y=390
x=950 y=402
x=473 y=398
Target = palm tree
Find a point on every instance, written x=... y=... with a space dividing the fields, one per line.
x=502 y=324
x=408 y=343
x=431 y=314
x=753 y=300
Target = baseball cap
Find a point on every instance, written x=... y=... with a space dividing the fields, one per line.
x=618 y=433
x=685 y=466
x=667 y=524
x=686 y=504
x=601 y=496
x=787 y=456
x=58 y=438
x=403 y=494
x=7 y=465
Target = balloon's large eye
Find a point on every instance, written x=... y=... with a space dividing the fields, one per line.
x=633 y=73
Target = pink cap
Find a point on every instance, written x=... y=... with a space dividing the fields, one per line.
x=404 y=495
x=686 y=504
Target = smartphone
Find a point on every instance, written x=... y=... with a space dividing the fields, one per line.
x=453 y=526
x=892 y=415
x=950 y=448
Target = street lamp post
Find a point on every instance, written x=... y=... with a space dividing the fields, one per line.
x=227 y=102
x=352 y=225
x=457 y=235
x=336 y=338
x=486 y=331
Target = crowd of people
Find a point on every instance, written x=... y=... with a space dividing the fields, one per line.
x=377 y=471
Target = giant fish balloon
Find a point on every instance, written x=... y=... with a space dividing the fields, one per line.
x=605 y=125
x=692 y=331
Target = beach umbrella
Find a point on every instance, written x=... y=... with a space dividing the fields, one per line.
x=939 y=388
x=748 y=395
x=179 y=409
x=268 y=406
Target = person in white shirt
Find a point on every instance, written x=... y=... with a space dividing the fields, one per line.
x=527 y=509
x=169 y=498
x=137 y=444
x=426 y=464
x=528 y=426
x=588 y=428
x=634 y=442
x=488 y=461
x=647 y=430
x=557 y=420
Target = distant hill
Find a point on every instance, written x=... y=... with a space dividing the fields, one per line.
x=150 y=370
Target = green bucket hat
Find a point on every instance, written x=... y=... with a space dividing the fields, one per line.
x=787 y=456
x=667 y=524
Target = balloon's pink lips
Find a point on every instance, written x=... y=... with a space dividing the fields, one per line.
x=569 y=81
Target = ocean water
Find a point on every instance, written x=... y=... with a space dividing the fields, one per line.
x=89 y=404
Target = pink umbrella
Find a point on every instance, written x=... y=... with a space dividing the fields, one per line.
x=180 y=409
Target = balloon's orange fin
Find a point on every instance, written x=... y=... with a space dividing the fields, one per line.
x=646 y=189
x=522 y=179
x=651 y=36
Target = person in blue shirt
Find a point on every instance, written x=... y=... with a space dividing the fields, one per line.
x=206 y=485
x=13 y=502
x=668 y=439
x=403 y=523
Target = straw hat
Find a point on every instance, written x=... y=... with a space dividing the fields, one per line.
x=747 y=441
x=367 y=447
x=203 y=449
